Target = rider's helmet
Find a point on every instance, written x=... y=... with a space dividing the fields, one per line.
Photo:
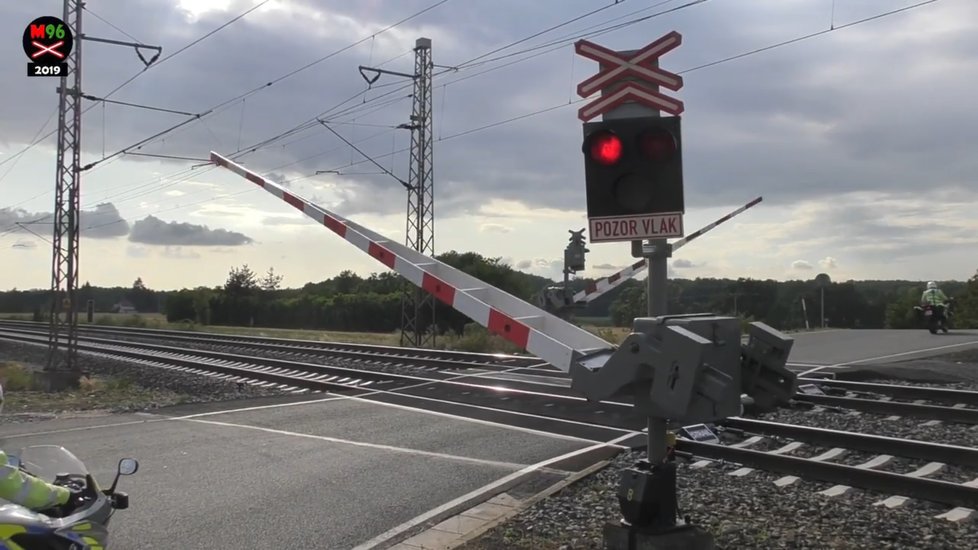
x=931 y=285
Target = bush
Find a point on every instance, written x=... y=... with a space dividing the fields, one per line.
x=477 y=339
x=15 y=376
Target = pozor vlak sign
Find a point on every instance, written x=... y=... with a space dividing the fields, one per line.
x=622 y=228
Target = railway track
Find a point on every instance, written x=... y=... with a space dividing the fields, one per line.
x=302 y=348
x=492 y=392
x=928 y=403
x=898 y=469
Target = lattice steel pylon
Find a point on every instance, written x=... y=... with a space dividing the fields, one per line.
x=64 y=266
x=417 y=305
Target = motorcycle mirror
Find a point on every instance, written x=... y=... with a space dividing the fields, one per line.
x=128 y=466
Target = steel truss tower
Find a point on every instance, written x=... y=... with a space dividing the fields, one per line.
x=417 y=305
x=64 y=267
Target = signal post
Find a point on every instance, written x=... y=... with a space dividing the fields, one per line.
x=634 y=189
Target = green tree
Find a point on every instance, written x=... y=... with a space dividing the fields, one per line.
x=631 y=303
x=966 y=305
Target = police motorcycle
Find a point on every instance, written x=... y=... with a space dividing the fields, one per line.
x=81 y=523
x=936 y=317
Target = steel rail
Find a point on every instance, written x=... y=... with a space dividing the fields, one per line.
x=359 y=352
x=933 y=490
x=877 y=444
x=944 y=395
x=594 y=421
x=877 y=406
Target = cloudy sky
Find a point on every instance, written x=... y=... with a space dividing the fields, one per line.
x=860 y=140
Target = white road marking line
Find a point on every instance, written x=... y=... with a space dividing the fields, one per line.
x=890 y=356
x=377 y=446
x=384 y=537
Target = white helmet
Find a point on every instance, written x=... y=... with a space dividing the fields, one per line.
x=931 y=285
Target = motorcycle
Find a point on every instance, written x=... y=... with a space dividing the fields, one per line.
x=936 y=317
x=80 y=524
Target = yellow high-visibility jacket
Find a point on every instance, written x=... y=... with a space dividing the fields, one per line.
x=27 y=490
x=933 y=296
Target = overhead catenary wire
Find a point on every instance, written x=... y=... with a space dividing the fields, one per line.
x=723 y=60
x=311 y=121
x=274 y=81
x=35 y=142
x=306 y=124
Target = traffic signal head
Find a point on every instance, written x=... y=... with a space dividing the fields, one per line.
x=633 y=166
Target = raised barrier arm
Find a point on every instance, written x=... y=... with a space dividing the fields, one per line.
x=529 y=327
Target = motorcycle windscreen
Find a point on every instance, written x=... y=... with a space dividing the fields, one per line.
x=47 y=461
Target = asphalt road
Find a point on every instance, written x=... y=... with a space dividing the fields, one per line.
x=332 y=474
x=846 y=347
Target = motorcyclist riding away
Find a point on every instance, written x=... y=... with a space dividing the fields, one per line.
x=933 y=296
x=26 y=490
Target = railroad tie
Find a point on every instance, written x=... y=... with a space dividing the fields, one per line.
x=830 y=454
x=893 y=417
x=838 y=490
x=790 y=447
x=753 y=440
x=926 y=470
x=959 y=513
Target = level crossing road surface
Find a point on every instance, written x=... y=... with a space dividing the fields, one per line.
x=329 y=474
x=842 y=347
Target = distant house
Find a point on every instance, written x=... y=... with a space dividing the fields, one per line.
x=124 y=306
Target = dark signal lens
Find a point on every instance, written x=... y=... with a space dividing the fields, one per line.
x=657 y=145
x=606 y=148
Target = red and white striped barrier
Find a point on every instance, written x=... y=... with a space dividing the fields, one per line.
x=601 y=286
x=548 y=337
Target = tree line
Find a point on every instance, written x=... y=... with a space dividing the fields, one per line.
x=349 y=302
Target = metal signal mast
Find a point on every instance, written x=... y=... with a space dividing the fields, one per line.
x=64 y=266
x=417 y=305
x=62 y=368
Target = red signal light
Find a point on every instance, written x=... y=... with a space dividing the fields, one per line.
x=606 y=148
x=657 y=145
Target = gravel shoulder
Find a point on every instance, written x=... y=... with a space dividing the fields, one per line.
x=114 y=387
x=751 y=511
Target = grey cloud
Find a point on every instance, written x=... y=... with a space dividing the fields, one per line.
x=102 y=222
x=524 y=264
x=801 y=265
x=828 y=262
x=860 y=226
x=179 y=253
x=285 y=220
x=495 y=228
x=154 y=231
x=137 y=252
x=811 y=119
x=607 y=267
x=680 y=263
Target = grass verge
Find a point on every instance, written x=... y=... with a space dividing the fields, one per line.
x=24 y=395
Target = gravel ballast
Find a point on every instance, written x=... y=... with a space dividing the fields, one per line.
x=192 y=388
x=740 y=512
x=752 y=512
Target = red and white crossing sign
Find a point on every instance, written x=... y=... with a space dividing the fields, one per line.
x=616 y=66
